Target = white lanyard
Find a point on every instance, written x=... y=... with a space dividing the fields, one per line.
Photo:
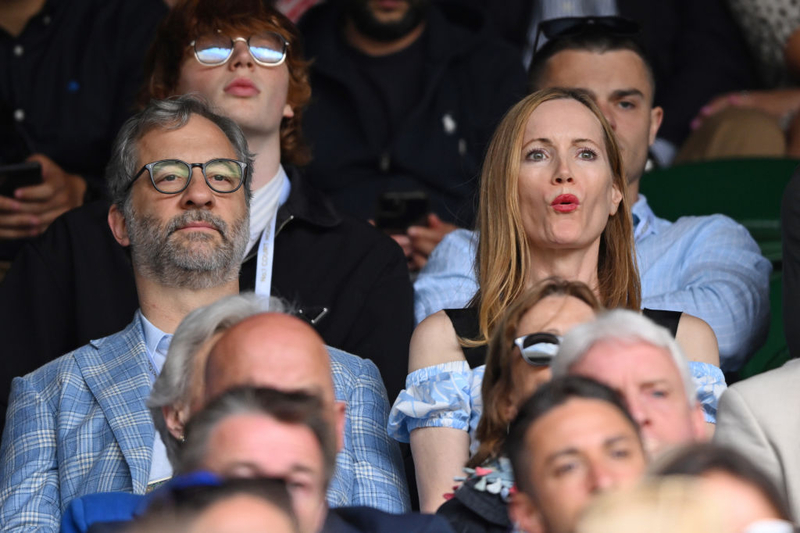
x=266 y=251
x=266 y=246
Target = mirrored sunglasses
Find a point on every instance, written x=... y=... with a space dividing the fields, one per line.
x=268 y=49
x=538 y=349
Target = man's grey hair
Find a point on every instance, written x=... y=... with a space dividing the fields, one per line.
x=626 y=327
x=173 y=386
x=169 y=114
x=298 y=408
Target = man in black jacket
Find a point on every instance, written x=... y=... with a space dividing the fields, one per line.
x=406 y=98
x=346 y=279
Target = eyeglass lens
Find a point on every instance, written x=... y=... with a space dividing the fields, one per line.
x=214 y=49
x=172 y=176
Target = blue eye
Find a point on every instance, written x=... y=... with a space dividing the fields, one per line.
x=587 y=154
x=535 y=155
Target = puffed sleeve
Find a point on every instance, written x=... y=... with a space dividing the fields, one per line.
x=445 y=395
x=711 y=384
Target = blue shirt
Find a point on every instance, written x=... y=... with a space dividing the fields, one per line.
x=709 y=267
x=156 y=344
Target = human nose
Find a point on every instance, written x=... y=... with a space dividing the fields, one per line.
x=600 y=477
x=605 y=108
x=197 y=193
x=638 y=410
x=241 y=54
x=562 y=173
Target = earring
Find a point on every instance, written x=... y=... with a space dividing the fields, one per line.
x=182 y=439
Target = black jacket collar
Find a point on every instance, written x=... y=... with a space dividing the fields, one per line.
x=307 y=204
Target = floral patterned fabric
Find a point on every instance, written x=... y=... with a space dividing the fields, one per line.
x=449 y=395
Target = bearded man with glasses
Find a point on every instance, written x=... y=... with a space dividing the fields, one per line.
x=346 y=278
x=79 y=424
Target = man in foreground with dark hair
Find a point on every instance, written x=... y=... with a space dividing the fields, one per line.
x=573 y=439
x=259 y=432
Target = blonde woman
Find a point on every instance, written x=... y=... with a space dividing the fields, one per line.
x=552 y=203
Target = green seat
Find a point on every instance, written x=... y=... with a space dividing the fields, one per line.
x=749 y=191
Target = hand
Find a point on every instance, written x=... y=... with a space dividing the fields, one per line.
x=777 y=103
x=33 y=208
x=423 y=239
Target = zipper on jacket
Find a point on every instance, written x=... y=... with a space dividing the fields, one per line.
x=283 y=224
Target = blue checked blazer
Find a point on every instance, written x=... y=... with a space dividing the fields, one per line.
x=79 y=425
x=369 y=470
x=76 y=426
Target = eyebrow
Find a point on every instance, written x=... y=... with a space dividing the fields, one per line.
x=293 y=469
x=568 y=452
x=614 y=440
x=654 y=382
x=623 y=93
x=302 y=469
x=545 y=140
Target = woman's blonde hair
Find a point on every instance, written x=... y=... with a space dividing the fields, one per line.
x=503 y=259
x=498 y=381
x=666 y=505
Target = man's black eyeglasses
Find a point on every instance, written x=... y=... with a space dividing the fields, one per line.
x=171 y=176
x=538 y=349
x=569 y=26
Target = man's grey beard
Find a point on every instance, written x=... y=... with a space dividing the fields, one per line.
x=182 y=259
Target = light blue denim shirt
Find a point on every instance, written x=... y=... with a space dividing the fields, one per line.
x=709 y=267
x=156 y=344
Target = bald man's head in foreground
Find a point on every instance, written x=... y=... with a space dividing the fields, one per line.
x=278 y=351
x=240 y=340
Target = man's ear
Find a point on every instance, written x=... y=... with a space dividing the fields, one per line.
x=118 y=225
x=656 y=116
x=340 y=412
x=524 y=513
x=174 y=419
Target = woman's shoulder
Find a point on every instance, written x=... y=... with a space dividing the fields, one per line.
x=697 y=340
x=434 y=342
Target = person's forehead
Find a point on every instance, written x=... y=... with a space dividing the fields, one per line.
x=273 y=446
x=580 y=424
x=275 y=351
x=612 y=361
x=254 y=24
x=556 y=314
x=563 y=117
x=242 y=512
x=600 y=73
x=197 y=141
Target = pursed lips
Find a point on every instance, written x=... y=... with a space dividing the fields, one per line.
x=565 y=203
